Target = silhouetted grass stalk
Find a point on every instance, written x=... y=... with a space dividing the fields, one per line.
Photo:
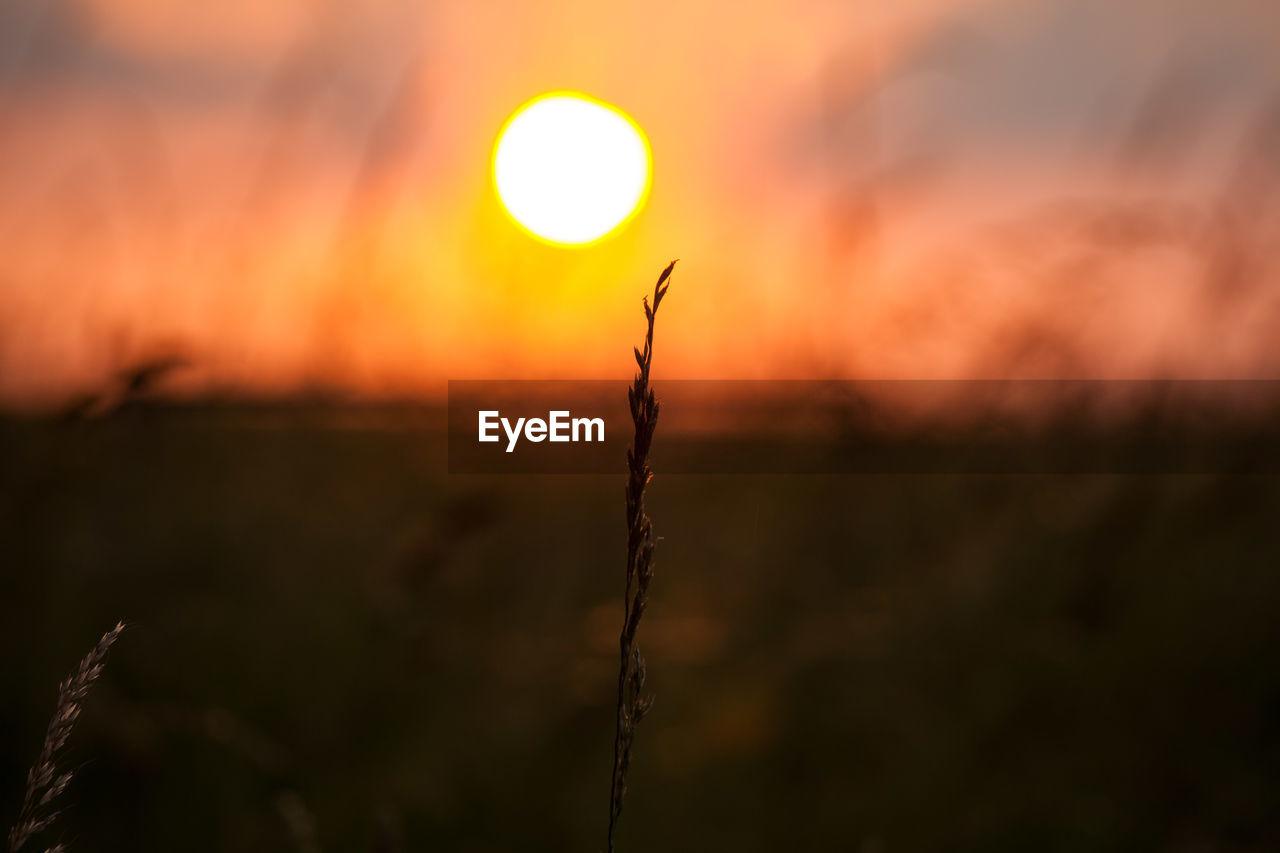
x=633 y=704
x=44 y=782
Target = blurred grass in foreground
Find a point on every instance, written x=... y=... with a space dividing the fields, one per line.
x=321 y=615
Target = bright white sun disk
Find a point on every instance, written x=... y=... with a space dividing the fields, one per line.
x=571 y=169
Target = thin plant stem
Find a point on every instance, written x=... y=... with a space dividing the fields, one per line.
x=633 y=703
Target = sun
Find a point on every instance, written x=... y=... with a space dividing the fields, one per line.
x=570 y=169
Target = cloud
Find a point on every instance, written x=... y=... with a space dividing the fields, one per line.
x=1062 y=78
x=176 y=55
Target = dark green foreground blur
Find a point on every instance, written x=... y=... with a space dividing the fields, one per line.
x=327 y=629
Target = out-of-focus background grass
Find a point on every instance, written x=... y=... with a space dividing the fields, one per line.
x=324 y=622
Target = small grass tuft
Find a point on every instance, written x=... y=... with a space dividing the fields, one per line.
x=45 y=782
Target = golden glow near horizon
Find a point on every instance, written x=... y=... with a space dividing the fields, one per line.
x=571 y=170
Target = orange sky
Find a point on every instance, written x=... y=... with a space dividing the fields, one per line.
x=294 y=195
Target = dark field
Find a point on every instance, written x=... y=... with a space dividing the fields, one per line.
x=327 y=629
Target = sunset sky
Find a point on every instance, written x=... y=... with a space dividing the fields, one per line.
x=295 y=195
